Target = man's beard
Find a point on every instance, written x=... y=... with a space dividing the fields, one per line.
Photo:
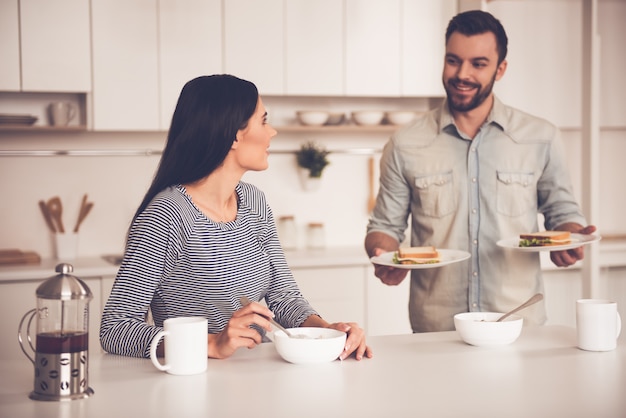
x=479 y=97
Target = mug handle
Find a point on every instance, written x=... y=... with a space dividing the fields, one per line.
x=153 y=349
x=619 y=325
x=72 y=112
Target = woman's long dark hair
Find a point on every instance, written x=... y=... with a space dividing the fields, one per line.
x=209 y=112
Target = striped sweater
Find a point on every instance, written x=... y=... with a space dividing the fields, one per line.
x=180 y=263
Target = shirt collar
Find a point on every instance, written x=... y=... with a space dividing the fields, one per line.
x=497 y=116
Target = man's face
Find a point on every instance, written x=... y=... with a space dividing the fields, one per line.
x=470 y=70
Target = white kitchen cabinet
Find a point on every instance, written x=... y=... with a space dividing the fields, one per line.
x=9 y=46
x=19 y=297
x=387 y=306
x=190 y=45
x=254 y=43
x=373 y=34
x=337 y=293
x=424 y=24
x=55 y=46
x=125 y=65
x=314 y=48
x=542 y=81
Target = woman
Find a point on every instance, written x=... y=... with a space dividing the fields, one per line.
x=201 y=238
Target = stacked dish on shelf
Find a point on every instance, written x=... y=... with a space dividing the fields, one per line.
x=358 y=117
x=7 y=119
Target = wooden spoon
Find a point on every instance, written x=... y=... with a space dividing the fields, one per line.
x=47 y=217
x=56 y=212
x=371 y=200
x=534 y=299
x=84 y=211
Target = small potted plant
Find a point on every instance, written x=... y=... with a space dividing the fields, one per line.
x=312 y=160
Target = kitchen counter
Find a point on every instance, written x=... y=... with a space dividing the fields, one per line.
x=542 y=374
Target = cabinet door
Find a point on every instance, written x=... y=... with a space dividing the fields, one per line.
x=387 y=307
x=17 y=298
x=125 y=65
x=338 y=294
x=538 y=80
x=424 y=24
x=314 y=48
x=373 y=48
x=253 y=43
x=190 y=45
x=55 y=45
x=9 y=46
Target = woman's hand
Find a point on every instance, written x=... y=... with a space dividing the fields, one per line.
x=355 y=343
x=238 y=333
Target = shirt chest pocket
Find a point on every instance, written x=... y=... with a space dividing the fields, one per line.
x=516 y=193
x=435 y=193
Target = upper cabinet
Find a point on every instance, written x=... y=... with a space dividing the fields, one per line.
x=190 y=45
x=9 y=46
x=253 y=43
x=314 y=48
x=50 y=52
x=125 y=65
x=373 y=34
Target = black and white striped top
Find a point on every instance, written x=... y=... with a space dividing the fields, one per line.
x=180 y=263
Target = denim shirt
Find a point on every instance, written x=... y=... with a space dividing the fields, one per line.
x=467 y=194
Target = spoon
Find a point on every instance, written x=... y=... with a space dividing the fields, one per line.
x=245 y=301
x=534 y=299
x=56 y=211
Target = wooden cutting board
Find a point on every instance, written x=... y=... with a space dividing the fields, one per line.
x=13 y=257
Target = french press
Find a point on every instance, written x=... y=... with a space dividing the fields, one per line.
x=61 y=351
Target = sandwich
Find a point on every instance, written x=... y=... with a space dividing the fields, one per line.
x=544 y=239
x=416 y=255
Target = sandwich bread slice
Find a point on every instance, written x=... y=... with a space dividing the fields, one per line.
x=416 y=255
x=544 y=238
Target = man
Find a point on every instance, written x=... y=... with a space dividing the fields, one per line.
x=470 y=173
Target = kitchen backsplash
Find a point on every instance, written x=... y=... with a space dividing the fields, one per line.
x=116 y=184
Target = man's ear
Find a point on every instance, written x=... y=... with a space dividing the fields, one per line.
x=501 y=70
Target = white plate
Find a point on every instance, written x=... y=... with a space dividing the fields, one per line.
x=578 y=240
x=445 y=257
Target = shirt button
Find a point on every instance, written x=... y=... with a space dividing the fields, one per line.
x=474 y=305
x=473 y=179
x=475 y=242
x=475 y=274
x=474 y=210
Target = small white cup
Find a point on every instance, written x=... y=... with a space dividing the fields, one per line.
x=186 y=346
x=66 y=246
x=61 y=113
x=598 y=324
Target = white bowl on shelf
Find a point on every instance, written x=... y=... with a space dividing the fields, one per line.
x=400 y=117
x=312 y=117
x=336 y=118
x=368 y=117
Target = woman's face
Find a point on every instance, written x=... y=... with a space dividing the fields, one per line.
x=251 y=147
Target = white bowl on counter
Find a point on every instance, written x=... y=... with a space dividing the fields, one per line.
x=400 y=117
x=312 y=117
x=482 y=330
x=368 y=117
x=310 y=345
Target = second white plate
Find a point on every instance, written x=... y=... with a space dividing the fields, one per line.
x=445 y=257
x=578 y=240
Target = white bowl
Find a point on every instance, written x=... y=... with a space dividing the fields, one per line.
x=368 y=117
x=310 y=345
x=336 y=118
x=312 y=117
x=400 y=117
x=480 y=328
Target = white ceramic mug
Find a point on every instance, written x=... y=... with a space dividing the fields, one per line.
x=598 y=324
x=185 y=340
x=61 y=113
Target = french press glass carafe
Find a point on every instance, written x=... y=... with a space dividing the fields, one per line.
x=61 y=351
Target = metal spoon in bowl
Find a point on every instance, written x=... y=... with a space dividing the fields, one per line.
x=245 y=301
x=534 y=299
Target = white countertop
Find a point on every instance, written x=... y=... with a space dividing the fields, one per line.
x=542 y=374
